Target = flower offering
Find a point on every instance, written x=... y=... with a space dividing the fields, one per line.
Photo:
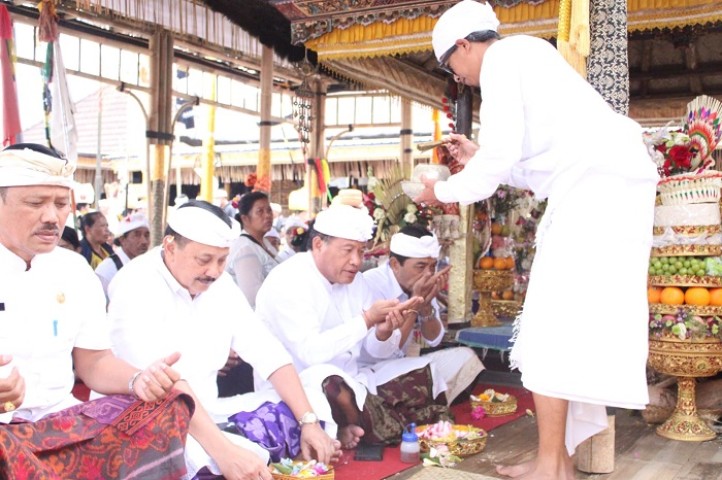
x=297 y=469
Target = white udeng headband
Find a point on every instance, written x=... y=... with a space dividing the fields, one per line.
x=202 y=226
x=412 y=247
x=345 y=221
x=26 y=167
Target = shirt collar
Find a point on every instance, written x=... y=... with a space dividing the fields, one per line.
x=14 y=263
x=308 y=258
x=173 y=284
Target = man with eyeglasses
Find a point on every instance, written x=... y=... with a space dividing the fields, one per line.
x=544 y=128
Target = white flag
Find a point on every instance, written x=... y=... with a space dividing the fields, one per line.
x=63 y=132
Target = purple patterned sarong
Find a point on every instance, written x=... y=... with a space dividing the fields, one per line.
x=272 y=426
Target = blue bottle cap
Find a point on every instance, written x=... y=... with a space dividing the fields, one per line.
x=409 y=434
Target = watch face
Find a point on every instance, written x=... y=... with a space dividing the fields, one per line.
x=308 y=417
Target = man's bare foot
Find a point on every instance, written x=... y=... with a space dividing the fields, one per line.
x=350 y=435
x=515 y=471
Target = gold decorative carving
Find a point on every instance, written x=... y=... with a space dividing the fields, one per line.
x=485 y=282
x=686 y=359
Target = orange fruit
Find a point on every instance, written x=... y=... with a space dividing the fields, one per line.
x=500 y=264
x=715 y=297
x=496 y=228
x=654 y=294
x=486 y=263
x=696 y=296
x=510 y=263
x=672 y=296
x=495 y=295
x=507 y=295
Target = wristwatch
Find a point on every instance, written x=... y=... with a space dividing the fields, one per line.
x=430 y=316
x=308 y=418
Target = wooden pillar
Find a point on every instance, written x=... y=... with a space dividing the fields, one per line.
x=317 y=145
x=407 y=135
x=461 y=251
x=263 y=169
x=159 y=133
x=208 y=160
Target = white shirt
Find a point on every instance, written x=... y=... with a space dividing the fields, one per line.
x=249 y=265
x=285 y=254
x=526 y=140
x=47 y=311
x=107 y=269
x=152 y=316
x=383 y=285
x=318 y=322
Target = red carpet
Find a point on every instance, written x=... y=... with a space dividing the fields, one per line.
x=349 y=469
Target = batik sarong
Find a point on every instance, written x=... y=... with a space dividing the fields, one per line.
x=115 y=437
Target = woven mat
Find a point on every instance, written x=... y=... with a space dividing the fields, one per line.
x=437 y=473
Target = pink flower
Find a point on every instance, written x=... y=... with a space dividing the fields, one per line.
x=478 y=413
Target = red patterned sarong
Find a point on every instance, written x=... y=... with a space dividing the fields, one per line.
x=113 y=437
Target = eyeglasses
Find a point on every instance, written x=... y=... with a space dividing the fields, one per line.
x=443 y=61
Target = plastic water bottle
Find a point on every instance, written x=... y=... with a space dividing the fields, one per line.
x=410 y=444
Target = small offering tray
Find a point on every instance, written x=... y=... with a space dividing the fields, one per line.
x=461 y=440
x=495 y=404
x=288 y=469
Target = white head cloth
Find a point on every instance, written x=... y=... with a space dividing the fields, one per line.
x=26 y=167
x=411 y=247
x=467 y=16
x=272 y=233
x=202 y=226
x=131 y=222
x=345 y=221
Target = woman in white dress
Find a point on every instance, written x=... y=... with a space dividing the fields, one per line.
x=252 y=256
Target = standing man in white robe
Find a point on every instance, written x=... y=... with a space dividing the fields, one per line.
x=411 y=272
x=318 y=304
x=177 y=297
x=544 y=128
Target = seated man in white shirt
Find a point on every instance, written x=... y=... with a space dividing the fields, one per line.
x=411 y=271
x=318 y=304
x=52 y=321
x=178 y=297
x=134 y=240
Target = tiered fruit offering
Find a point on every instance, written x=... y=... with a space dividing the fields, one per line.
x=698 y=266
x=697 y=296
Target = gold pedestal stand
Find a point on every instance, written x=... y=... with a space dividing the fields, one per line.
x=485 y=282
x=686 y=359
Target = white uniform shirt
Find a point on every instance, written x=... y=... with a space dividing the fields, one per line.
x=526 y=140
x=152 y=315
x=249 y=265
x=107 y=269
x=46 y=311
x=318 y=322
x=383 y=285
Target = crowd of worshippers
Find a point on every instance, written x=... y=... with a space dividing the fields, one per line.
x=153 y=333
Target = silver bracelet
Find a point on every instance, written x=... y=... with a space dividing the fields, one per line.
x=131 y=382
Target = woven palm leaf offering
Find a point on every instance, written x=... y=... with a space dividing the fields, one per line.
x=288 y=469
x=688 y=218
x=495 y=404
x=458 y=440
